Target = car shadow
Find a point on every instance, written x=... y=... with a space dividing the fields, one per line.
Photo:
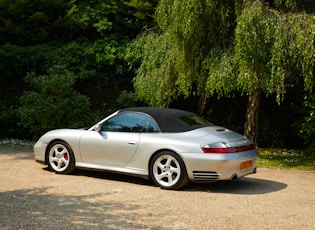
x=114 y=177
x=243 y=186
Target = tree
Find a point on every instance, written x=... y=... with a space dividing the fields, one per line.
x=271 y=49
x=197 y=49
x=176 y=57
x=25 y=22
x=87 y=38
x=117 y=19
x=53 y=103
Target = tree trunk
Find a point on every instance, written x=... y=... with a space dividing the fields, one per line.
x=252 y=113
x=202 y=104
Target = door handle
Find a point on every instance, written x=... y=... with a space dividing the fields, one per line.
x=132 y=142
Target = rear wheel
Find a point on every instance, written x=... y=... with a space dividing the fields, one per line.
x=168 y=170
x=60 y=158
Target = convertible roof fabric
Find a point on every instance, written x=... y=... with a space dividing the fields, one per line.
x=166 y=118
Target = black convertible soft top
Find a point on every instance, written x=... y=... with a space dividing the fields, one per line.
x=170 y=120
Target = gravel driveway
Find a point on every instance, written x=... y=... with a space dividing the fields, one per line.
x=31 y=197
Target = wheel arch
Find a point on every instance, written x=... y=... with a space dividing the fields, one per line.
x=64 y=165
x=51 y=143
x=159 y=151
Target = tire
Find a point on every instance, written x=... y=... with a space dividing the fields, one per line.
x=60 y=158
x=168 y=171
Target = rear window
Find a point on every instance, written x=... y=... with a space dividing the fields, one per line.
x=194 y=120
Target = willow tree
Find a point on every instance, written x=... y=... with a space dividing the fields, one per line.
x=271 y=49
x=176 y=54
x=215 y=47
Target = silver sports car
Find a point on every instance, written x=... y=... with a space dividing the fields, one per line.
x=169 y=146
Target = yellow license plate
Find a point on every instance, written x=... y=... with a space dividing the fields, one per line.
x=246 y=165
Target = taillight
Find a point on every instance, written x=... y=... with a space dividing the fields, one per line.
x=224 y=148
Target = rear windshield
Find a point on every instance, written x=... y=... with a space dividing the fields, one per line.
x=193 y=120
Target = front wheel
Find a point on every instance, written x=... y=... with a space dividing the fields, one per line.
x=60 y=158
x=168 y=171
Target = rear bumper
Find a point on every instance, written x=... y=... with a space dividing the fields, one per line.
x=212 y=167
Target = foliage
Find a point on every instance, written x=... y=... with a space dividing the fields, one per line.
x=253 y=39
x=15 y=62
x=294 y=5
x=153 y=84
x=274 y=51
x=276 y=121
x=307 y=127
x=85 y=59
x=142 y=9
x=94 y=16
x=189 y=52
x=29 y=22
x=87 y=38
x=25 y=22
x=16 y=143
x=126 y=99
x=198 y=50
x=271 y=48
x=53 y=103
x=123 y=18
x=26 y=59
x=177 y=57
x=8 y=120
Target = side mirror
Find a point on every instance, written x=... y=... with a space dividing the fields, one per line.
x=97 y=127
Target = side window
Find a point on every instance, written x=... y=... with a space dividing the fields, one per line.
x=150 y=127
x=125 y=122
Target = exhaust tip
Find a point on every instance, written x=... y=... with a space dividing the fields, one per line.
x=234 y=177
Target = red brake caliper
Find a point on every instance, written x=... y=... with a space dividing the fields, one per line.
x=65 y=156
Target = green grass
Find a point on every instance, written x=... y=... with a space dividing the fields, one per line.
x=269 y=157
x=285 y=159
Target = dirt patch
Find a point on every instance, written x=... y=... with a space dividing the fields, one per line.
x=31 y=197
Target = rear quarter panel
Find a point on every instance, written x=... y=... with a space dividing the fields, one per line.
x=152 y=143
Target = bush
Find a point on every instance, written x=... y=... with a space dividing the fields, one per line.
x=126 y=99
x=307 y=128
x=53 y=103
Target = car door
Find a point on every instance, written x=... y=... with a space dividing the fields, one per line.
x=116 y=142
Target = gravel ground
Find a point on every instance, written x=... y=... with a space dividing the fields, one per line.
x=31 y=197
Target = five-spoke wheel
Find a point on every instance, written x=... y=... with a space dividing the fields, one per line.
x=60 y=158
x=168 y=170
